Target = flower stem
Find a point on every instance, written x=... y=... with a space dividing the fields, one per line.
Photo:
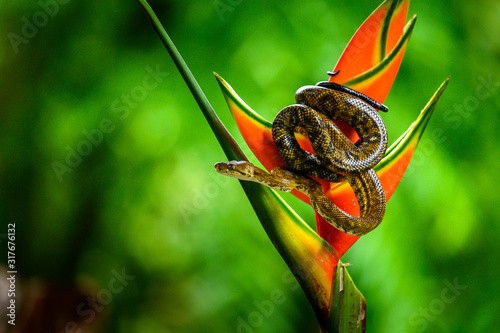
x=229 y=145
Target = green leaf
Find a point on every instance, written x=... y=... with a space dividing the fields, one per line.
x=311 y=259
x=348 y=307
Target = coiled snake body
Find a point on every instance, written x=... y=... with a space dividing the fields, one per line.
x=335 y=158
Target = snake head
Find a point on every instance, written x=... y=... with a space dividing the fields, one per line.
x=238 y=169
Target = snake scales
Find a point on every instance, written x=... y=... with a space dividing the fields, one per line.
x=336 y=157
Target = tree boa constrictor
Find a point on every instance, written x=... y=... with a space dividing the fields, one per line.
x=335 y=158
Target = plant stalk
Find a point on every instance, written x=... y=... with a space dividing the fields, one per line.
x=227 y=142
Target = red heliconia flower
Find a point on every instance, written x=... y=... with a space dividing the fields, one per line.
x=369 y=64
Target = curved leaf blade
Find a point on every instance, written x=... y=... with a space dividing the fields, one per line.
x=371 y=60
x=361 y=53
x=390 y=172
x=374 y=38
x=256 y=132
x=377 y=81
x=348 y=308
x=397 y=158
x=311 y=259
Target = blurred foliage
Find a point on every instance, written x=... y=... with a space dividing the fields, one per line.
x=146 y=198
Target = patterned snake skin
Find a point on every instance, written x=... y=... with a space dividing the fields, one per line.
x=335 y=158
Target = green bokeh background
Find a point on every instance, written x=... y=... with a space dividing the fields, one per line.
x=147 y=199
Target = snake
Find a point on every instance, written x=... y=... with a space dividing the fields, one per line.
x=335 y=157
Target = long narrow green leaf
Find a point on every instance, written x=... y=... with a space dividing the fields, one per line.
x=227 y=142
x=311 y=259
x=348 y=308
x=414 y=132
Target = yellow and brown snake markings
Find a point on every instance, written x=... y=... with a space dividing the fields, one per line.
x=335 y=157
